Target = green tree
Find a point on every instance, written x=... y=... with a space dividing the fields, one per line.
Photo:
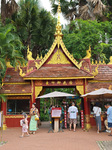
x=35 y=26
x=81 y=9
x=80 y=34
x=10 y=49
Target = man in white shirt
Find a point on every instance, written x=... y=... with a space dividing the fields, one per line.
x=72 y=114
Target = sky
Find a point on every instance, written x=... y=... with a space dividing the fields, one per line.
x=47 y=6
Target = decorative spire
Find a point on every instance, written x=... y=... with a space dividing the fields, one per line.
x=58 y=32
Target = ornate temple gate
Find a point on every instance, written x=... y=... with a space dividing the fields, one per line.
x=58 y=68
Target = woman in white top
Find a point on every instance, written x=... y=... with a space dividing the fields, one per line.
x=97 y=113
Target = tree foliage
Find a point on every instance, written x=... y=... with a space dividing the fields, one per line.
x=35 y=26
x=82 y=9
x=80 y=34
x=10 y=49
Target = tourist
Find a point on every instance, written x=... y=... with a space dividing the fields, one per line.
x=33 y=122
x=72 y=114
x=97 y=115
x=24 y=124
x=106 y=121
x=109 y=117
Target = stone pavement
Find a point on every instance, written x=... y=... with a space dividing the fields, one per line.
x=42 y=140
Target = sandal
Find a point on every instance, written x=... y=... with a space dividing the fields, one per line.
x=21 y=136
x=110 y=135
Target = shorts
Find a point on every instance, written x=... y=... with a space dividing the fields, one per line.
x=109 y=125
x=74 y=121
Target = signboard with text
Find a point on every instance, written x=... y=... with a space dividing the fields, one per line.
x=56 y=113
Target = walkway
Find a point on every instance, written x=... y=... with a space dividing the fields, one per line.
x=42 y=140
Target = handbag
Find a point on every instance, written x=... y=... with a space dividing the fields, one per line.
x=36 y=117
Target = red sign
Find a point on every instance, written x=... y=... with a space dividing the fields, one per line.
x=56 y=113
x=82 y=119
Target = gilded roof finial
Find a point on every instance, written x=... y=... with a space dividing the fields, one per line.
x=29 y=54
x=88 y=53
x=58 y=32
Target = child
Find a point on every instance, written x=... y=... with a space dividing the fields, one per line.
x=24 y=124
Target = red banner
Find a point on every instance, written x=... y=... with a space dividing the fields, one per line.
x=82 y=119
x=65 y=119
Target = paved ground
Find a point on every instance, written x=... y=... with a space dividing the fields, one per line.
x=42 y=140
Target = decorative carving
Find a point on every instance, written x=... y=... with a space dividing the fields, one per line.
x=85 y=68
x=58 y=41
x=8 y=64
x=88 y=53
x=96 y=71
x=38 y=89
x=21 y=72
x=110 y=63
x=29 y=54
x=37 y=65
x=80 y=89
x=38 y=58
x=59 y=58
x=79 y=82
x=80 y=64
x=29 y=70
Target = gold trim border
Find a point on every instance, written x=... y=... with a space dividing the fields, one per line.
x=94 y=81
x=18 y=94
x=17 y=116
x=15 y=83
x=67 y=78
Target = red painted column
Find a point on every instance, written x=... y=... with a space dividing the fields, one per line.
x=4 y=109
x=86 y=108
x=33 y=93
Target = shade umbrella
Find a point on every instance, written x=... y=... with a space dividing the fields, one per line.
x=56 y=94
x=104 y=93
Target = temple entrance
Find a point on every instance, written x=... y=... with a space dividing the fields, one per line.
x=64 y=103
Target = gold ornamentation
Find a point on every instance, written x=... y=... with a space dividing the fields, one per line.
x=38 y=83
x=58 y=82
x=16 y=116
x=96 y=62
x=64 y=78
x=85 y=68
x=96 y=71
x=37 y=65
x=17 y=83
x=104 y=61
x=29 y=54
x=53 y=82
x=38 y=58
x=110 y=63
x=47 y=83
x=58 y=41
x=21 y=72
x=58 y=33
x=88 y=53
x=64 y=83
x=38 y=89
x=8 y=94
x=80 y=64
x=80 y=89
x=8 y=65
x=78 y=82
x=29 y=70
x=59 y=58
x=70 y=82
